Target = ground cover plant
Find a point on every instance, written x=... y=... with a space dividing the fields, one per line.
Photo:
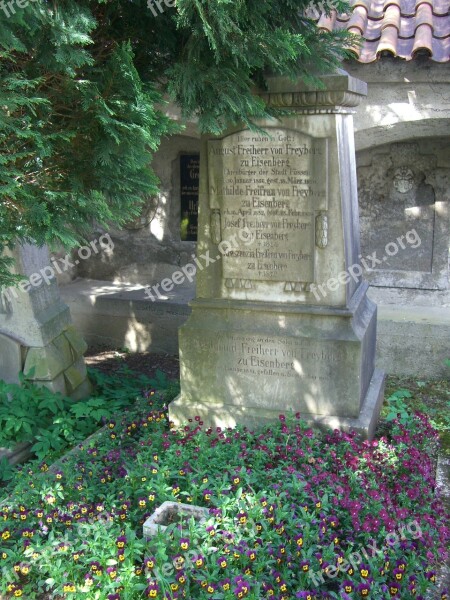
x=293 y=513
x=52 y=423
x=409 y=394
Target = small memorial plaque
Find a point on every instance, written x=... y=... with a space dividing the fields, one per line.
x=189 y=179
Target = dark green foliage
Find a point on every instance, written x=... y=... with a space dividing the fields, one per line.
x=80 y=87
x=54 y=422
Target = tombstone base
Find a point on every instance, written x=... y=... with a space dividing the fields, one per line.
x=249 y=362
x=226 y=415
x=58 y=366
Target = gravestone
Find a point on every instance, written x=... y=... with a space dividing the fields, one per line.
x=404 y=199
x=36 y=332
x=281 y=321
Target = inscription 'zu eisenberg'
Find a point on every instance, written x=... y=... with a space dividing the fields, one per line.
x=276 y=356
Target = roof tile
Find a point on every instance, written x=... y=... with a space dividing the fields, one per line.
x=358 y=20
x=403 y=28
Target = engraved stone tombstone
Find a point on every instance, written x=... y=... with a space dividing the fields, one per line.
x=404 y=215
x=36 y=332
x=278 y=223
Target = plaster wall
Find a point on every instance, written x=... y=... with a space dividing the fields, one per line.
x=406 y=99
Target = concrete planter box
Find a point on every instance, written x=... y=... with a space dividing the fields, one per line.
x=172 y=512
x=20 y=453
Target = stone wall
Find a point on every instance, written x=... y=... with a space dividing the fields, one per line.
x=150 y=248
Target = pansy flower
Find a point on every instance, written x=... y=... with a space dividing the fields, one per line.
x=199 y=561
x=364 y=589
x=412 y=588
x=394 y=588
x=96 y=567
x=242 y=589
x=364 y=571
x=112 y=572
x=225 y=584
x=347 y=586
x=152 y=590
x=178 y=561
x=184 y=543
x=242 y=517
x=181 y=578
x=304 y=566
x=401 y=564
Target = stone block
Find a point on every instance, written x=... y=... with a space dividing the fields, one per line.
x=75 y=375
x=172 y=512
x=34 y=312
x=44 y=363
x=226 y=348
x=64 y=349
x=223 y=415
x=55 y=385
x=11 y=363
x=84 y=390
x=404 y=206
x=76 y=342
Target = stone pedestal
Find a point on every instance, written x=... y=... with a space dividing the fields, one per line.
x=36 y=332
x=281 y=322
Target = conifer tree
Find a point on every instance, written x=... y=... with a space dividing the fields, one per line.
x=81 y=97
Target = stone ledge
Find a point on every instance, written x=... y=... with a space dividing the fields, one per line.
x=20 y=453
x=339 y=90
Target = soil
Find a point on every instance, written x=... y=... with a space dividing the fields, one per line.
x=109 y=361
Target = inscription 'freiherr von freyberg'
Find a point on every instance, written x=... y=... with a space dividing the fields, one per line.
x=274 y=185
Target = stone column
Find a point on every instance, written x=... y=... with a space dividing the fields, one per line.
x=281 y=322
x=36 y=332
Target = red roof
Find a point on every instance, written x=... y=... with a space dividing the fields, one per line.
x=402 y=28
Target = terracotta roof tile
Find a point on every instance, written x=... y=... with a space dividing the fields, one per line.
x=403 y=28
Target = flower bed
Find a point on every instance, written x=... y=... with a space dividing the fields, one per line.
x=293 y=513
